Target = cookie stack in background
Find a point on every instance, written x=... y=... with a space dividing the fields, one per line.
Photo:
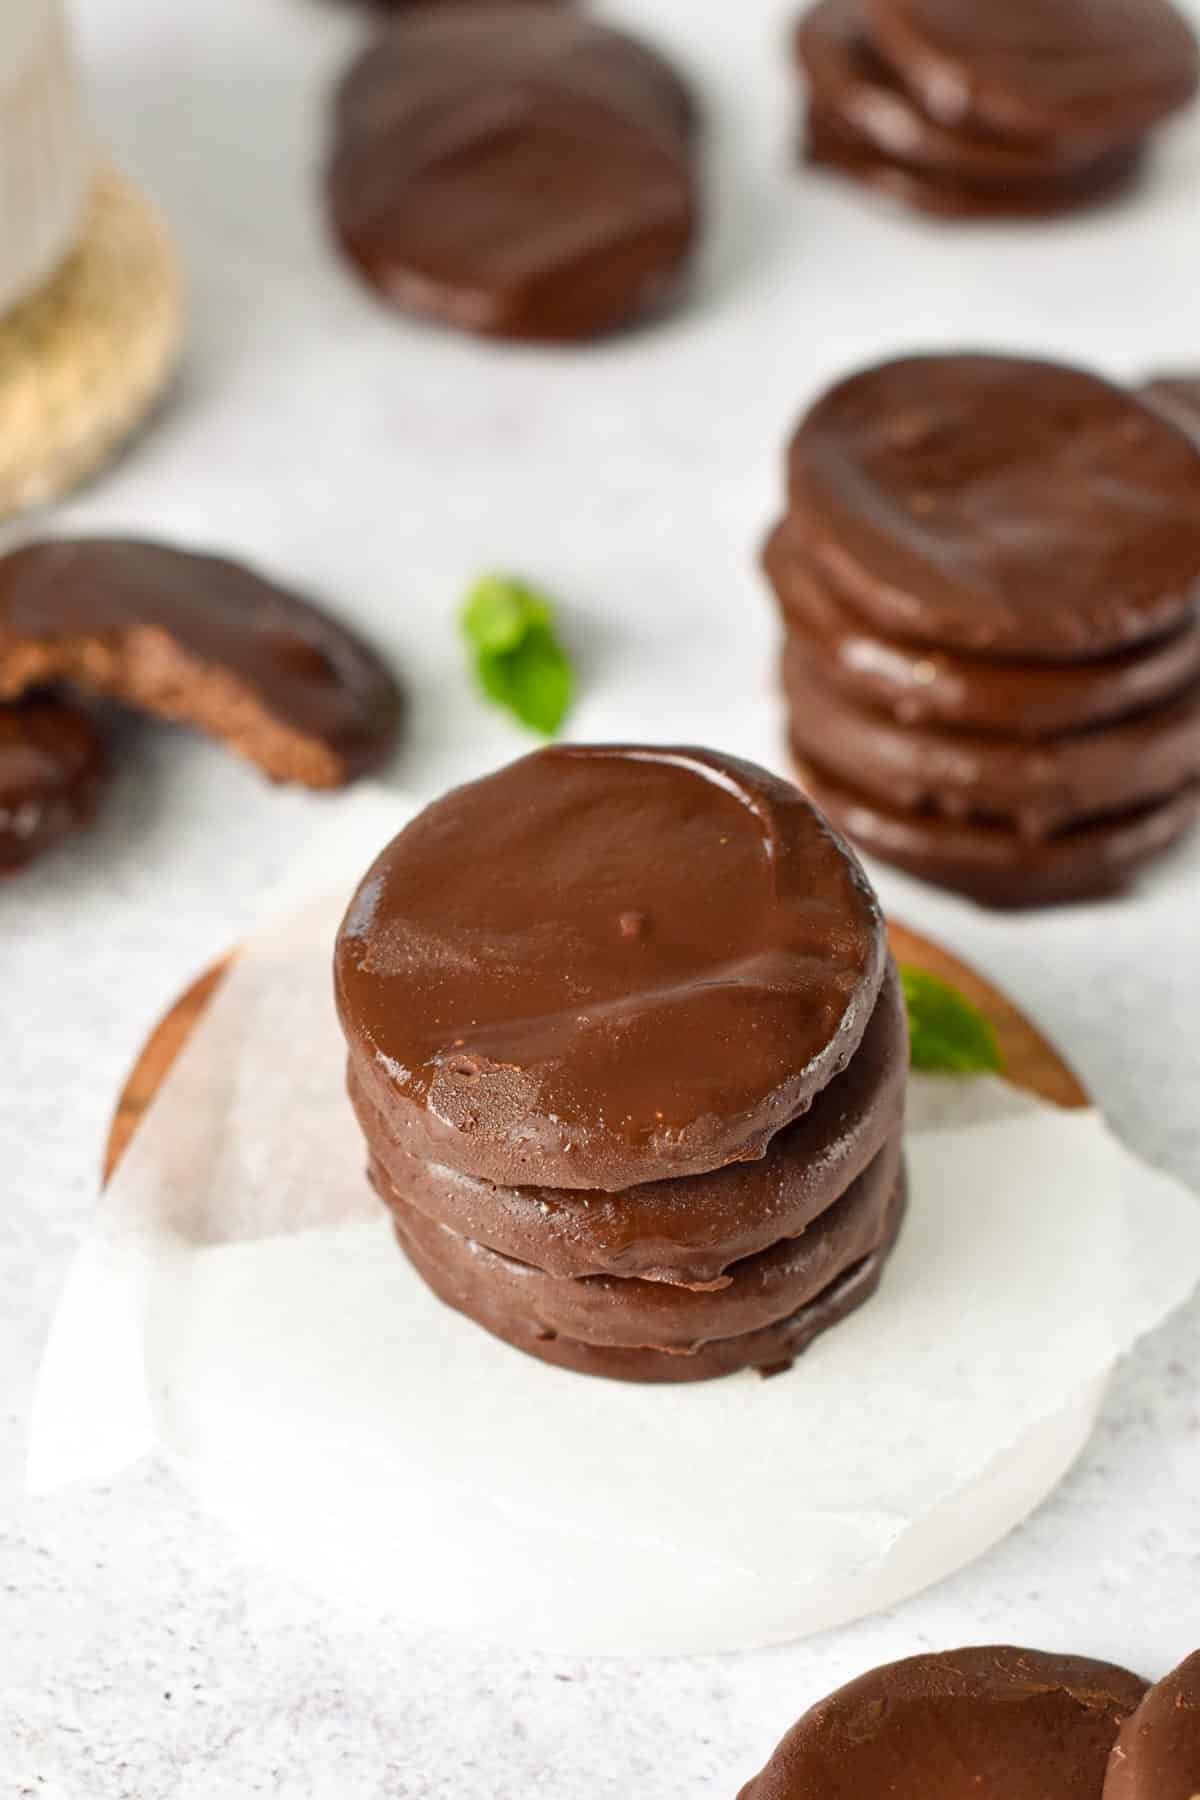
x=629 y=1056
x=90 y=297
x=973 y=108
x=988 y=574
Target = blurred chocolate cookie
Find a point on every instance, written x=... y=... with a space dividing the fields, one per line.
x=515 y=170
x=1037 y=69
x=1178 y=396
x=986 y=111
x=52 y=768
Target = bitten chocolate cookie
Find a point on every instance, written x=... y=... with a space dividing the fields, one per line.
x=52 y=767
x=515 y=170
x=1157 y=1752
x=702 y=958
x=975 y=1722
x=1038 y=69
x=1000 y=506
x=203 y=641
x=628 y=1054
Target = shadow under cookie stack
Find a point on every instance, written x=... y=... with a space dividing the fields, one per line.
x=629 y=1055
x=988 y=575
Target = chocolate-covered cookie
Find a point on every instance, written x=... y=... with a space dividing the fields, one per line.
x=1038 y=69
x=515 y=170
x=690 y=1230
x=1042 y=789
x=464 y=1285
x=976 y=1722
x=616 y=1312
x=834 y=144
x=1000 y=506
x=915 y=684
x=1178 y=396
x=855 y=90
x=607 y=965
x=992 y=862
x=1157 y=1752
x=52 y=767
x=203 y=641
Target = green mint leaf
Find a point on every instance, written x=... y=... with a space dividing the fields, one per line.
x=518 y=660
x=947 y=1032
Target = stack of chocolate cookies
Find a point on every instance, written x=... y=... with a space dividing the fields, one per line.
x=988 y=573
x=629 y=1055
x=992 y=107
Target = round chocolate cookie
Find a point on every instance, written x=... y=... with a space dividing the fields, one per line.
x=986 y=1721
x=201 y=640
x=470 y=1287
x=618 y=1313
x=687 y=1231
x=833 y=144
x=1157 y=1752
x=1178 y=397
x=607 y=965
x=1043 y=789
x=52 y=767
x=1094 y=69
x=1000 y=506
x=854 y=89
x=515 y=170
x=917 y=685
x=992 y=863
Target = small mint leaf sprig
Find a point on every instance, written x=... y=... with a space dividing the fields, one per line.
x=947 y=1033
x=519 y=661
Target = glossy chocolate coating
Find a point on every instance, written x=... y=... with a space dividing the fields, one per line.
x=460 y=1284
x=686 y=1231
x=1041 y=68
x=1000 y=506
x=832 y=143
x=201 y=640
x=1042 y=789
x=917 y=685
x=992 y=863
x=991 y=1723
x=853 y=86
x=515 y=170
x=1178 y=396
x=607 y=965
x=616 y=1312
x=1157 y=1752
x=52 y=767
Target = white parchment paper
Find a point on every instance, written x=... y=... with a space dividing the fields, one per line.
x=241 y=1306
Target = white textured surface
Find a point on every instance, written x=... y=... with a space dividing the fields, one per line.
x=385 y=464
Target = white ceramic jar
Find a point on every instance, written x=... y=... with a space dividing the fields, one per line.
x=46 y=157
